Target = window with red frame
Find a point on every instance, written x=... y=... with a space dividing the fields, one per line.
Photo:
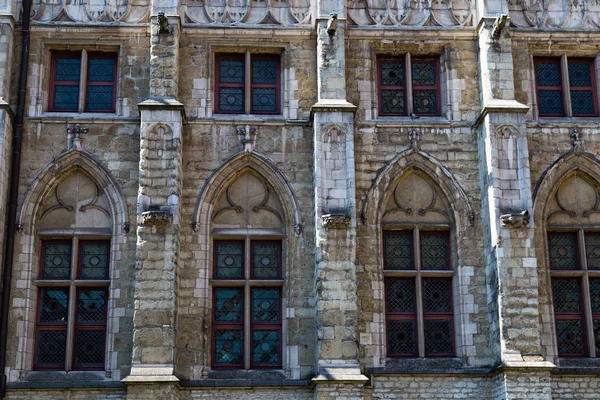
x=409 y=86
x=72 y=305
x=81 y=83
x=418 y=294
x=247 y=280
x=242 y=90
x=566 y=87
x=575 y=274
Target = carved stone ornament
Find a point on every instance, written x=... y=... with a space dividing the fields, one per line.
x=336 y=221
x=158 y=218
x=125 y=227
x=579 y=14
x=516 y=221
x=284 y=12
x=414 y=137
x=97 y=11
x=74 y=135
x=577 y=141
x=247 y=135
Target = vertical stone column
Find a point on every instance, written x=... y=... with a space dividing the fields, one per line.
x=335 y=213
x=510 y=259
x=158 y=229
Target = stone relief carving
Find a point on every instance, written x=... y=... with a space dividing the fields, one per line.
x=581 y=14
x=515 y=220
x=576 y=200
x=411 y=12
x=336 y=221
x=74 y=139
x=271 y=12
x=107 y=11
x=157 y=216
x=247 y=136
x=577 y=141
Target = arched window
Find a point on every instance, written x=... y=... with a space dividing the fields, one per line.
x=573 y=240
x=418 y=270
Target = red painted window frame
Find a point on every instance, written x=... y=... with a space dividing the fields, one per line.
x=227 y=325
x=402 y=316
x=573 y=316
x=279 y=271
x=80 y=326
x=243 y=243
x=436 y=86
x=218 y=85
x=80 y=254
x=382 y=88
x=276 y=85
x=272 y=326
x=444 y=316
x=45 y=326
x=538 y=87
x=74 y=55
x=412 y=245
x=113 y=84
x=592 y=87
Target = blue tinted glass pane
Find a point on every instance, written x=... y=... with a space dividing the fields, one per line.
x=91 y=306
x=229 y=305
x=94 y=260
x=265 y=260
x=423 y=73
x=265 y=305
x=264 y=100
x=582 y=102
x=265 y=347
x=393 y=102
x=57 y=261
x=392 y=73
x=228 y=346
x=231 y=100
x=67 y=69
x=101 y=70
x=54 y=305
x=425 y=101
x=231 y=71
x=580 y=74
x=99 y=98
x=264 y=72
x=547 y=74
x=66 y=97
x=550 y=102
x=229 y=260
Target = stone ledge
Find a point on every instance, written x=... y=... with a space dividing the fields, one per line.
x=66 y=385
x=339 y=374
x=500 y=106
x=428 y=371
x=524 y=365
x=151 y=373
x=576 y=371
x=245 y=383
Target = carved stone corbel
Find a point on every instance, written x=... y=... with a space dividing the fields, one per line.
x=515 y=220
x=157 y=216
x=336 y=221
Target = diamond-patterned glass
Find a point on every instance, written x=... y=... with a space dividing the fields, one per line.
x=400 y=295
x=595 y=295
x=550 y=102
x=265 y=347
x=398 y=251
x=66 y=97
x=67 y=69
x=438 y=337
x=54 y=305
x=264 y=100
x=547 y=74
x=597 y=335
x=89 y=348
x=265 y=305
x=231 y=71
x=569 y=337
x=582 y=102
x=231 y=99
x=580 y=74
x=425 y=101
x=229 y=304
x=91 y=305
x=392 y=73
x=401 y=337
x=437 y=295
x=392 y=102
x=101 y=70
x=264 y=72
x=434 y=251
x=94 y=260
x=566 y=295
x=228 y=346
x=563 y=251
x=265 y=260
x=57 y=261
x=99 y=98
x=51 y=347
x=229 y=260
x=592 y=250
x=423 y=73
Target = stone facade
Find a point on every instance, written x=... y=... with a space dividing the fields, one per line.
x=165 y=177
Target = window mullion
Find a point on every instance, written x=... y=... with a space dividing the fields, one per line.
x=247 y=83
x=83 y=80
x=566 y=86
x=587 y=305
x=408 y=84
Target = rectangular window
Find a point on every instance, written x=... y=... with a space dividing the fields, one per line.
x=247 y=304
x=566 y=87
x=247 y=83
x=418 y=294
x=83 y=82
x=409 y=86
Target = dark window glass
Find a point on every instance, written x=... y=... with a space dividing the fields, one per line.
x=266 y=257
x=51 y=348
x=398 y=251
x=56 y=260
x=402 y=340
x=94 y=260
x=54 y=305
x=434 y=251
x=563 y=251
x=229 y=262
x=228 y=347
x=229 y=305
x=89 y=348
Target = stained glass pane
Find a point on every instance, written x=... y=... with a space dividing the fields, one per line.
x=566 y=295
x=265 y=260
x=57 y=261
x=99 y=98
x=592 y=250
x=400 y=295
x=550 y=102
x=392 y=73
x=67 y=69
x=582 y=102
x=231 y=71
x=401 y=337
x=597 y=335
x=580 y=74
x=101 y=70
x=231 y=99
x=425 y=101
x=265 y=305
x=91 y=305
x=51 y=347
x=66 y=97
x=264 y=72
x=438 y=337
x=229 y=303
x=54 y=305
x=563 y=251
x=265 y=347
x=94 y=260
x=398 y=251
x=595 y=295
x=229 y=260
x=89 y=348
x=547 y=74
x=437 y=295
x=434 y=251
x=264 y=100
x=228 y=346
x=392 y=102
x=423 y=73
x=569 y=337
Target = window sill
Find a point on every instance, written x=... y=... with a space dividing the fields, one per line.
x=563 y=121
x=81 y=117
x=62 y=379
x=417 y=122
x=426 y=366
x=577 y=366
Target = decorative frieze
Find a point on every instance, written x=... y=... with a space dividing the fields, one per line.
x=249 y=12
x=109 y=11
x=580 y=14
